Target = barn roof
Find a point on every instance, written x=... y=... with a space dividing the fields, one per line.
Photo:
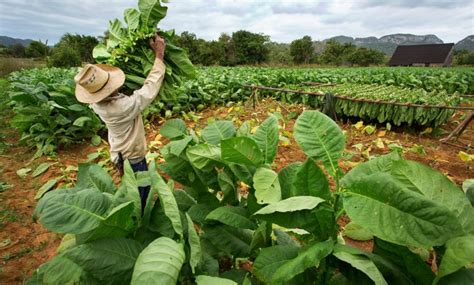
x=430 y=53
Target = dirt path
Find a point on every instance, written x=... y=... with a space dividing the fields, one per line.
x=25 y=245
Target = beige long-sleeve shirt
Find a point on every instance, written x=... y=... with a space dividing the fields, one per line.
x=122 y=116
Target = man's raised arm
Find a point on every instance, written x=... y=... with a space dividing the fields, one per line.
x=145 y=95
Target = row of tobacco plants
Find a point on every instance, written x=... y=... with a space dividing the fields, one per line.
x=48 y=115
x=229 y=218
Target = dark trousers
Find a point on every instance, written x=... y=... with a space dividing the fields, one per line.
x=144 y=191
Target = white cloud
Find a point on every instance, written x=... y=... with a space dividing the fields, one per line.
x=283 y=20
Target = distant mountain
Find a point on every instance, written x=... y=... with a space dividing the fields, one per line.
x=466 y=43
x=8 y=41
x=388 y=43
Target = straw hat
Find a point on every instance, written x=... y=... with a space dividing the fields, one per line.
x=97 y=81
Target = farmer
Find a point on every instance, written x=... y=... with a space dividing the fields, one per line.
x=99 y=84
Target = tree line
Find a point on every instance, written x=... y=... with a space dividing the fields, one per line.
x=71 y=50
x=239 y=48
x=244 y=47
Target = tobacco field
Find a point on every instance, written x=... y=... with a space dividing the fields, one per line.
x=248 y=186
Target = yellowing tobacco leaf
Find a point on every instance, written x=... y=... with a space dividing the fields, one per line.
x=369 y=129
x=381 y=134
x=351 y=164
x=284 y=141
x=379 y=143
x=359 y=125
x=466 y=157
x=427 y=131
x=366 y=153
x=358 y=146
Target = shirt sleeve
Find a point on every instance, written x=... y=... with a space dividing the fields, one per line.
x=144 y=96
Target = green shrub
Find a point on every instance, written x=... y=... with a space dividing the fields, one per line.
x=64 y=56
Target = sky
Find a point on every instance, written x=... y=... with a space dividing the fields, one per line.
x=283 y=20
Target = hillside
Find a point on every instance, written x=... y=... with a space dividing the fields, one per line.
x=9 y=41
x=467 y=43
x=388 y=43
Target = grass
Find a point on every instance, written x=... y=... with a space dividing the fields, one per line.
x=8 y=216
x=11 y=64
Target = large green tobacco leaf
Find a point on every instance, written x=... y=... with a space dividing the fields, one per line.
x=462 y=276
x=286 y=176
x=261 y=236
x=59 y=270
x=159 y=263
x=241 y=150
x=178 y=167
x=227 y=186
x=233 y=241
x=292 y=204
x=271 y=259
x=116 y=32
x=232 y=216
x=109 y=260
x=68 y=241
x=94 y=176
x=356 y=232
x=204 y=156
x=243 y=173
x=132 y=18
x=319 y=222
x=310 y=180
x=361 y=262
x=320 y=137
x=218 y=131
x=65 y=211
x=128 y=190
x=391 y=212
x=174 y=128
x=307 y=258
x=267 y=186
x=195 y=254
x=408 y=262
x=178 y=146
x=151 y=12
x=209 y=280
x=379 y=164
x=166 y=198
x=160 y=223
x=184 y=200
x=266 y=137
x=436 y=187
x=118 y=223
x=459 y=254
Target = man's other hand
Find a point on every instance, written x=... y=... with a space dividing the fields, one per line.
x=158 y=45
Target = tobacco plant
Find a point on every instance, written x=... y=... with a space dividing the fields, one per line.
x=46 y=111
x=231 y=219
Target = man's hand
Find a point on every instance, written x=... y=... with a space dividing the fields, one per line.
x=158 y=45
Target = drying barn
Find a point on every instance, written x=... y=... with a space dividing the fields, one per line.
x=423 y=55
